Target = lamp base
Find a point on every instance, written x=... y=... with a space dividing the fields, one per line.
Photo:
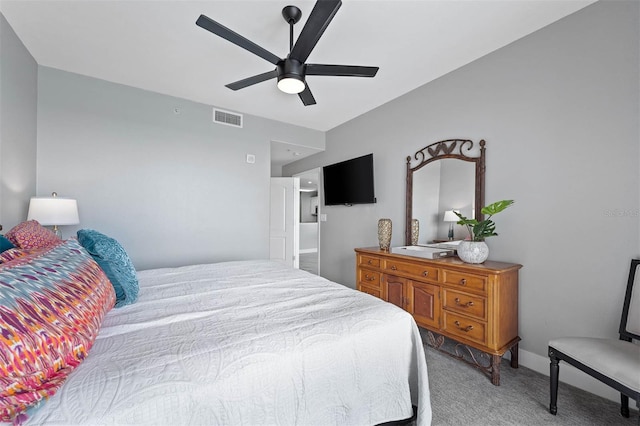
x=57 y=231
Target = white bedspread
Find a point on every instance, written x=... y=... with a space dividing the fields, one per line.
x=247 y=343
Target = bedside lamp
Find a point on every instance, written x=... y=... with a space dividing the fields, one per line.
x=54 y=211
x=450 y=216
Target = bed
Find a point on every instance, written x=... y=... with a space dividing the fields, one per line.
x=247 y=343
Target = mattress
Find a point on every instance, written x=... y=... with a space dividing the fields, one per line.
x=247 y=343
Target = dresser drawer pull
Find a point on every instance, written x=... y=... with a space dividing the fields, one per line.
x=464 y=305
x=369 y=278
x=465 y=329
x=369 y=262
x=463 y=281
x=425 y=273
x=394 y=268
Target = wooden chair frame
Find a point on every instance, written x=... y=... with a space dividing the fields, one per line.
x=556 y=356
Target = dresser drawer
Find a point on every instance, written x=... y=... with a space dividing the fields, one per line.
x=377 y=292
x=412 y=269
x=373 y=262
x=465 y=327
x=369 y=278
x=468 y=304
x=465 y=281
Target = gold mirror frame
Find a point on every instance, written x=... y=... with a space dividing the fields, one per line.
x=458 y=149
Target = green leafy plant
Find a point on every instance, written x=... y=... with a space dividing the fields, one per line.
x=479 y=230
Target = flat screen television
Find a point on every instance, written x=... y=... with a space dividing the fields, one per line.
x=349 y=182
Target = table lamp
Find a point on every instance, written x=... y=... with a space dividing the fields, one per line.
x=54 y=211
x=451 y=217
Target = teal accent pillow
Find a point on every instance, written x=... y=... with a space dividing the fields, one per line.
x=115 y=263
x=5 y=244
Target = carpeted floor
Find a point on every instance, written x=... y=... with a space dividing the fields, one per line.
x=462 y=395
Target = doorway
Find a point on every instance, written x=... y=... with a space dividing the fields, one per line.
x=309 y=220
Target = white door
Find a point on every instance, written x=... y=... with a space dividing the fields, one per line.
x=284 y=219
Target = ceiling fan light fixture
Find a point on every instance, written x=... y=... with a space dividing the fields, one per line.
x=291 y=85
x=291 y=76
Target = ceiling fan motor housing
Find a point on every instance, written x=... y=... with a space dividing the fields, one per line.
x=291 y=68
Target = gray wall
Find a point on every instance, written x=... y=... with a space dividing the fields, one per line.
x=559 y=110
x=173 y=188
x=18 y=116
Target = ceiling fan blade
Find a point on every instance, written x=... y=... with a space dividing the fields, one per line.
x=250 y=81
x=341 y=70
x=235 y=38
x=320 y=17
x=306 y=96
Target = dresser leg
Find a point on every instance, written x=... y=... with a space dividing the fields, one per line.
x=495 y=369
x=514 y=356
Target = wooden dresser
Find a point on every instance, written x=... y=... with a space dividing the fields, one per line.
x=474 y=305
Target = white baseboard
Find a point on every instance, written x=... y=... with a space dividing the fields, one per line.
x=568 y=374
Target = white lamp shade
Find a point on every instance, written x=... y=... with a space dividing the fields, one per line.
x=291 y=85
x=450 y=216
x=53 y=211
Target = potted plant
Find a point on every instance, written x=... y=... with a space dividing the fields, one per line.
x=475 y=250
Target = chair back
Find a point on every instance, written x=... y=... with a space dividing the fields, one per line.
x=630 y=323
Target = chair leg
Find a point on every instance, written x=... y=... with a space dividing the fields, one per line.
x=553 y=381
x=624 y=405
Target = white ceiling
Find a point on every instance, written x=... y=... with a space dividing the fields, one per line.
x=155 y=45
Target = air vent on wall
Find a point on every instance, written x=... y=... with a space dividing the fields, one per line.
x=226 y=117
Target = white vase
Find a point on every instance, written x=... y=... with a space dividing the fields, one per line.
x=473 y=251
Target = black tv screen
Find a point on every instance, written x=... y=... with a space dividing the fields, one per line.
x=349 y=182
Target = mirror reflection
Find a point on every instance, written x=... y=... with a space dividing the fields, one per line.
x=448 y=184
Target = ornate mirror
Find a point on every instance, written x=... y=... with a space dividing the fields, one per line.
x=446 y=175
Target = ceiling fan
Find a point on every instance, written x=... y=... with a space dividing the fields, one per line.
x=291 y=71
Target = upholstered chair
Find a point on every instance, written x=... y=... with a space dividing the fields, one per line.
x=612 y=361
